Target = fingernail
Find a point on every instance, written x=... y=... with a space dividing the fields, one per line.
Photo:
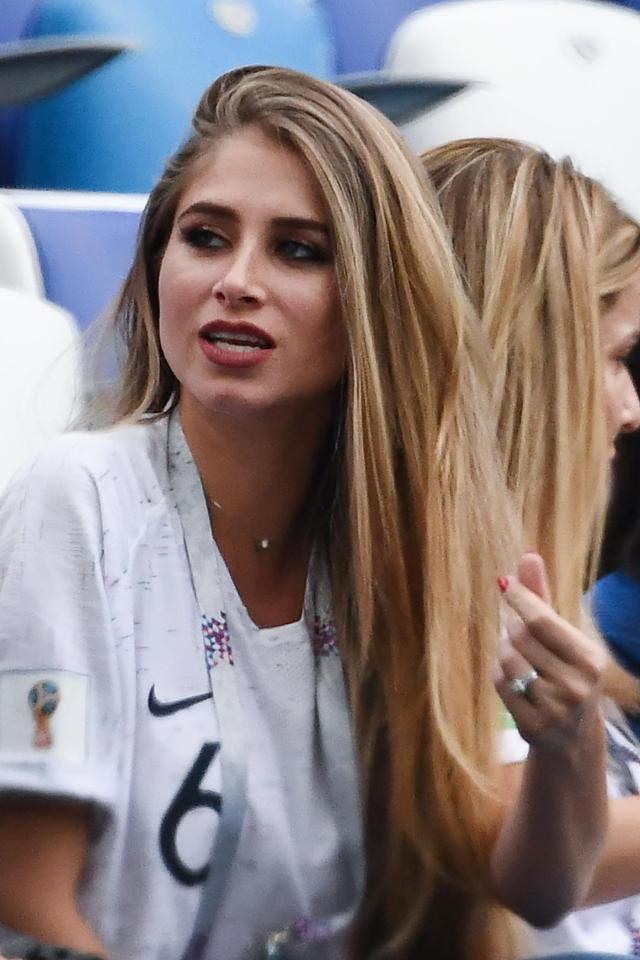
x=503 y=583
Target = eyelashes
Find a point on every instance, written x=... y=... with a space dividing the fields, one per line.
x=202 y=238
x=298 y=250
x=288 y=249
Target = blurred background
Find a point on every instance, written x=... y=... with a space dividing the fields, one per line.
x=95 y=95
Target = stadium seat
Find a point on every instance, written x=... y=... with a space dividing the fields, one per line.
x=113 y=130
x=40 y=384
x=19 y=262
x=15 y=18
x=557 y=73
x=362 y=30
x=36 y=68
x=84 y=242
x=489 y=40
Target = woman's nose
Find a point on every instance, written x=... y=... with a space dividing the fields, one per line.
x=630 y=409
x=239 y=284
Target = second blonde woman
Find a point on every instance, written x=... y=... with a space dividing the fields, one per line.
x=552 y=266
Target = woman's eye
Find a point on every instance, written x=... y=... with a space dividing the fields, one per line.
x=204 y=238
x=297 y=250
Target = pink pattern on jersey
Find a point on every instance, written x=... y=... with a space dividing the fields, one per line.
x=324 y=639
x=217 y=644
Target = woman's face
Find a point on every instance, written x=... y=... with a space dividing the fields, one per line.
x=249 y=315
x=620 y=330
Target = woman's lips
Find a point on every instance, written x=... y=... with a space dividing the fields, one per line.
x=235 y=344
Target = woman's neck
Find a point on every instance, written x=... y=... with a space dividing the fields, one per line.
x=260 y=475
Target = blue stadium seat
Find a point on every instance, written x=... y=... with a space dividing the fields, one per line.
x=363 y=28
x=15 y=19
x=13 y=25
x=85 y=245
x=113 y=130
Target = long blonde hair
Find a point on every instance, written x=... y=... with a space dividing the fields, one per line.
x=419 y=525
x=544 y=250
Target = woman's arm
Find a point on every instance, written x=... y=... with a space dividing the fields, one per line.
x=617 y=872
x=546 y=852
x=43 y=844
x=545 y=855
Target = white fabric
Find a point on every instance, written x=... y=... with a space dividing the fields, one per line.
x=96 y=599
x=513 y=748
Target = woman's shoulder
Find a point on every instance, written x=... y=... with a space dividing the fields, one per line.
x=616 y=609
x=616 y=585
x=125 y=463
x=93 y=450
x=615 y=601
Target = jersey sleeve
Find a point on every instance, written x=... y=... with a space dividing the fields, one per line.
x=60 y=692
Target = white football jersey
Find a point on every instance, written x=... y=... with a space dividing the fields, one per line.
x=105 y=697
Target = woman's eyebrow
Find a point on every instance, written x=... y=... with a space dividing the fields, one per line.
x=210 y=209
x=225 y=212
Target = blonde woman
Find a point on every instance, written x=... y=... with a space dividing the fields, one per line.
x=552 y=266
x=299 y=485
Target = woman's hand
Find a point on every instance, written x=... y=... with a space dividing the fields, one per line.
x=555 y=817
x=561 y=668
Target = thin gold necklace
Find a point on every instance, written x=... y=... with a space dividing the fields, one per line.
x=261 y=544
x=264 y=544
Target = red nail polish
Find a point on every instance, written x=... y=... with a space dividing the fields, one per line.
x=503 y=583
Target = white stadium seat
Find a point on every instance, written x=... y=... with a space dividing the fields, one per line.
x=19 y=263
x=562 y=74
x=493 y=40
x=40 y=384
x=40 y=387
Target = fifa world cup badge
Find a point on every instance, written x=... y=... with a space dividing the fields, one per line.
x=44 y=697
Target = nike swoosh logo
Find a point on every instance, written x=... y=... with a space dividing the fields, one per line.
x=160 y=709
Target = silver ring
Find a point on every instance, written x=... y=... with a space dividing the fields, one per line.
x=520 y=685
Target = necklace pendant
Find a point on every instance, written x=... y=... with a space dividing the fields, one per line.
x=262 y=545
